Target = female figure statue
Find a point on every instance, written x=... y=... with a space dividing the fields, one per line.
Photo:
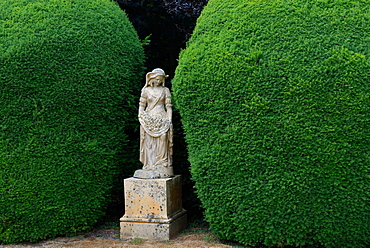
x=156 y=134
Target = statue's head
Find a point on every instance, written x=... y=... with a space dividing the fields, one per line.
x=155 y=74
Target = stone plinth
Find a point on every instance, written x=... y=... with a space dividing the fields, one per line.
x=153 y=208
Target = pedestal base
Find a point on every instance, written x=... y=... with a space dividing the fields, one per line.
x=153 y=209
x=152 y=231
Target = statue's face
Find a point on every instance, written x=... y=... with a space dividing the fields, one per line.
x=158 y=80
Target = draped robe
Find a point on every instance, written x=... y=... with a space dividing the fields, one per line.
x=156 y=133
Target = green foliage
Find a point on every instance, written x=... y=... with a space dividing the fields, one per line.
x=274 y=97
x=67 y=76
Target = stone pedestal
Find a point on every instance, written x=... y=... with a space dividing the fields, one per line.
x=153 y=208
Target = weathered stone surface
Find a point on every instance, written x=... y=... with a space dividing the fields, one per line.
x=153 y=208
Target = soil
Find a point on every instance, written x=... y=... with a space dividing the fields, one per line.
x=109 y=238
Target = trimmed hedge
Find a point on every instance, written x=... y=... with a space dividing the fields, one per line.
x=68 y=70
x=274 y=97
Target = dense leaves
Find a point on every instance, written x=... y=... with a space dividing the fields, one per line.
x=69 y=73
x=168 y=24
x=274 y=97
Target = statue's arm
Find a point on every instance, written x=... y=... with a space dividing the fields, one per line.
x=168 y=104
x=142 y=102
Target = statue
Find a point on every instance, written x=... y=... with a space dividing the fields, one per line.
x=156 y=132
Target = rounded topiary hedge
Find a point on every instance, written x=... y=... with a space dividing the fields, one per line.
x=274 y=97
x=67 y=73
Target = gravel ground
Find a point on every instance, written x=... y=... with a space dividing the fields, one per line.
x=109 y=238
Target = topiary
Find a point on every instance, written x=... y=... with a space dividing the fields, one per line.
x=274 y=99
x=68 y=70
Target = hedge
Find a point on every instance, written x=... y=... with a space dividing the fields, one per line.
x=274 y=99
x=68 y=74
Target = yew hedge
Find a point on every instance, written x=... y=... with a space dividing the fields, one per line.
x=67 y=72
x=274 y=99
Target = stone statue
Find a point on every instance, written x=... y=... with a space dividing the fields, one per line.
x=156 y=132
